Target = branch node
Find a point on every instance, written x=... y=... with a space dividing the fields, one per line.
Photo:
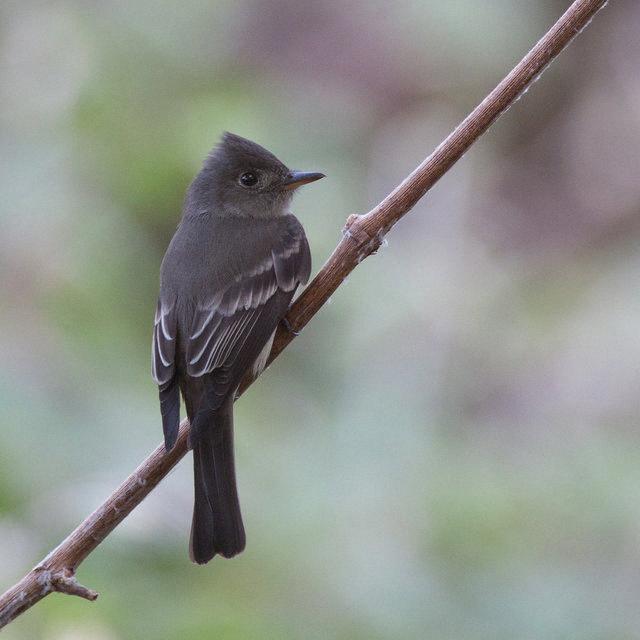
x=354 y=231
x=65 y=582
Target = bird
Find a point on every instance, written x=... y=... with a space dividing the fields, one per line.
x=227 y=280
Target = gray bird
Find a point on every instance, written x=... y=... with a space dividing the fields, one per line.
x=226 y=281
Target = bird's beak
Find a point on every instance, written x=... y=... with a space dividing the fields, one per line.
x=296 y=179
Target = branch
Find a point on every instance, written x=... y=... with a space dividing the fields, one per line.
x=363 y=235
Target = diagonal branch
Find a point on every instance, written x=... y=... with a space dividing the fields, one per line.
x=362 y=237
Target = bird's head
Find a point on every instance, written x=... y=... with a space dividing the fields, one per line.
x=239 y=177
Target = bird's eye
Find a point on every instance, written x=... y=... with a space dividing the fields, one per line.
x=248 y=179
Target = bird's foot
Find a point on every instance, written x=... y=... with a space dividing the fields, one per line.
x=287 y=325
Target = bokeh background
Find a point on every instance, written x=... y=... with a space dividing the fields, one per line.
x=451 y=450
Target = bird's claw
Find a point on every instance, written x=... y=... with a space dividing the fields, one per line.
x=288 y=327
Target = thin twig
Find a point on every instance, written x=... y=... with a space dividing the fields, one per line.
x=362 y=236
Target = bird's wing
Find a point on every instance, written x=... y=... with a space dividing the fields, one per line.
x=230 y=328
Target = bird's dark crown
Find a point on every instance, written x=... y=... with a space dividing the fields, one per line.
x=234 y=149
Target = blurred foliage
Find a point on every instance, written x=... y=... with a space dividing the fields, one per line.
x=451 y=449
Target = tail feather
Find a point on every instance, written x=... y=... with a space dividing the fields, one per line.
x=217 y=522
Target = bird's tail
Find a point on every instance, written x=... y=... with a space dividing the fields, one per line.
x=217 y=523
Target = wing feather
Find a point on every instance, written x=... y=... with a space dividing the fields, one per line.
x=164 y=344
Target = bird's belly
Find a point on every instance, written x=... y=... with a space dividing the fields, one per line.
x=261 y=360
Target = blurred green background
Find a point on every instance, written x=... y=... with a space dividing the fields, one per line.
x=451 y=450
